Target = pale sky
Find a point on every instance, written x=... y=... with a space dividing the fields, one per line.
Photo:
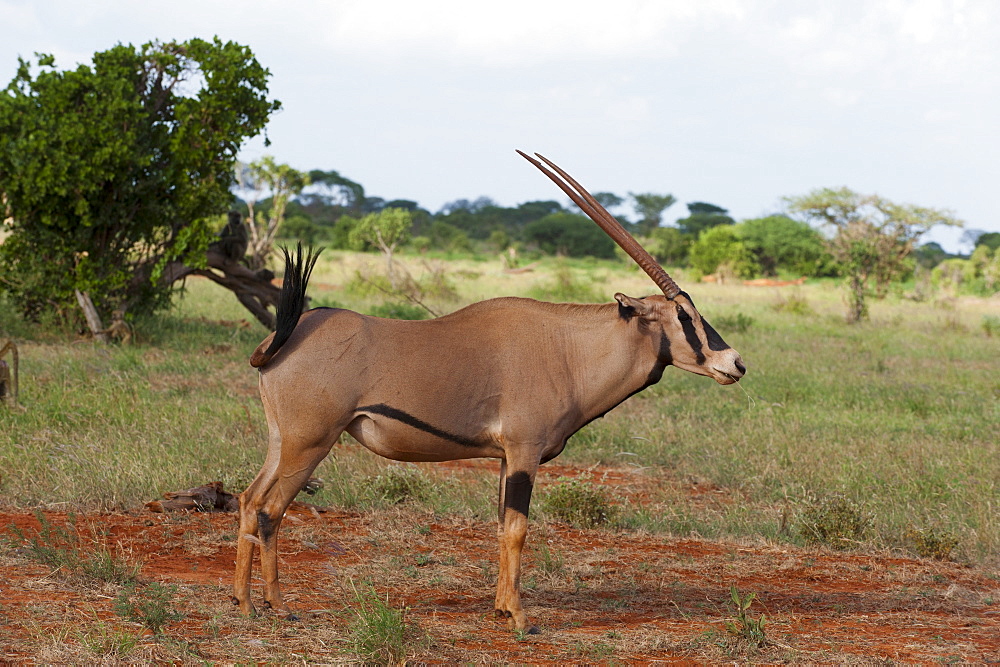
x=733 y=102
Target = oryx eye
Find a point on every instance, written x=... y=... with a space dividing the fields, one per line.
x=682 y=315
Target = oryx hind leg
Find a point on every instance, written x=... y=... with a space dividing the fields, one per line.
x=517 y=478
x=262 y=507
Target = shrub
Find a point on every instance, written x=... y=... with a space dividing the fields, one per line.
x=794 y=304
x=578 y=503
x=835 y=521
x=398 y=484
x=399 y=311
x=931 y=542
x=565 y=288
x=991 y=325
x=738 y=322
x=721 y=247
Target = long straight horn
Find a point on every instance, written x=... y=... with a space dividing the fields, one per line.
x=608 y=223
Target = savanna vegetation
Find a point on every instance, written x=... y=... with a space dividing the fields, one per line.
x=875 y=433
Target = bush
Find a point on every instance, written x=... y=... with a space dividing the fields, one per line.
x=738 y=322
x=931 y=543
x=991 y=325
x=399 y=311
x=565 y=288
x=778 y=242
x=578 y=503
x=721 y=247
x=835 y=521
x=794 y=304
x=398 y=484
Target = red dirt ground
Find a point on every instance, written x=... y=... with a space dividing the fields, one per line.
x=599 y=596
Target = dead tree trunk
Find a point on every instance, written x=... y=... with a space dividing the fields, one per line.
x=254 y=289
x=90 y=313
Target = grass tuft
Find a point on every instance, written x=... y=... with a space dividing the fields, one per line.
x=379 y=632
x=150 y=605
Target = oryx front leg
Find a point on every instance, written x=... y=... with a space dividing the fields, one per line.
x=516 y=482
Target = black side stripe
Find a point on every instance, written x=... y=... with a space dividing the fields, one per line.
x=410 y=420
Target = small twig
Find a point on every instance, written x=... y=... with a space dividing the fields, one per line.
x=398 y=293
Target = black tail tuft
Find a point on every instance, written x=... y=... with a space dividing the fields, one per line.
x=291 y=300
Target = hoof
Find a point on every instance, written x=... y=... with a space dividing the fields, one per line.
x=533 y=630
x=235 y=600
x=292 y=617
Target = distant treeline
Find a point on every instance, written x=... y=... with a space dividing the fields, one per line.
x=706 y=240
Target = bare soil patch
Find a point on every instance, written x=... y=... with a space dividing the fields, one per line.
x=600 y=596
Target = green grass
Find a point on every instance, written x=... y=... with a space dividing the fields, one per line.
x=901 y=414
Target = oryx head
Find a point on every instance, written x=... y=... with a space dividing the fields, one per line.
x=692 y=344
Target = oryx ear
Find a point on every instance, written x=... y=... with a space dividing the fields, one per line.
x=628 y=306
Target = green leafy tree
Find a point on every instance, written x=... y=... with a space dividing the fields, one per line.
x=720 y=249
x=385 y=230
x=871 y=237
x=569 y=234
x=650 y=208
x=929 y=255
x=668 y=245
x=779 y=242
x=989 y=239
x=114 y=173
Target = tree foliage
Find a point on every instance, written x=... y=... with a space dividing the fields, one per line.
x=871 y=237
x=779 y=242
x=669 y=245
x=384 y=230
x=114 y=169
x=702 y=216
x=278 y=183
x=650 y=208
x=569 y=234
x=720 y=249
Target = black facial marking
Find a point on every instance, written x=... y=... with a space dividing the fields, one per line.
x=410 y=420
x=715 y=342
x=518 y=494
x=265 y=527
x=691 y=335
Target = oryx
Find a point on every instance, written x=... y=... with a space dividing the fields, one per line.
x=506 y=378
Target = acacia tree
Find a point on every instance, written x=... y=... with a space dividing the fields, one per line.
x=871 y=237
x=113 y=173
x=650 y=208
x=385 y=230
x=266 y=178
